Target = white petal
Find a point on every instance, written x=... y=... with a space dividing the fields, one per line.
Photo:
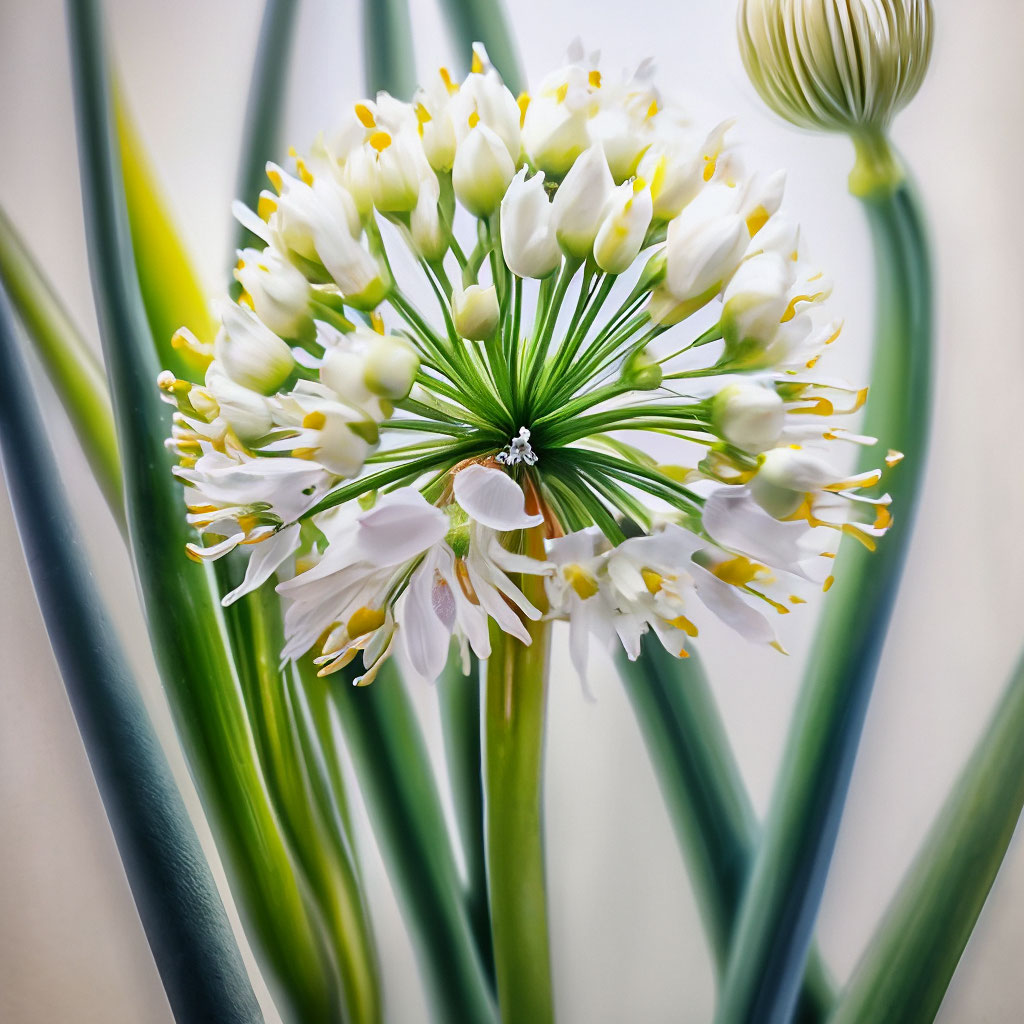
x=493 y=498
x=401 y=525
x=265 y=559
x=736 y=522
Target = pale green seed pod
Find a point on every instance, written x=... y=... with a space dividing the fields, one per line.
x=839 y=65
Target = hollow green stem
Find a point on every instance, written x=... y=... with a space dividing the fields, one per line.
x=777 y=918
x=910 y=959
x=514 y=717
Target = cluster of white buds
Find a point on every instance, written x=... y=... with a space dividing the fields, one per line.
x=407 y=473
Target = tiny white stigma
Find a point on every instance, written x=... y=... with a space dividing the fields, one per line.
x=518 y=451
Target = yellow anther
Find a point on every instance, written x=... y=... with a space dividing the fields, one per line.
x=594 y=78
x=275 y=178
x=658 y=178
x=757 y=220
x=422 y=114
x=652 y=109
x=827 y=585
x=377 y=322
x=818 y=407
x=639 y=184
x=247 y=523
x=581 y=581
x=365 y=115
x=851 y=530
x=894 y=458
x=794 y=599
x=473 y=120
x=683 y=623
x=380 y=141
x=477 y=65
x=522 y=102
x=446 y=77
x=266 y=206
x=653 y=580
x=561 y=92
x=315 y=420
x=710 y=165
x=738 y=571
x=305 y=175
x=883 y=519
x=797 y=299
x=364 y=621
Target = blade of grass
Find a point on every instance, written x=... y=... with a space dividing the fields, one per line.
x=73 y=369
x=387 y=47
x=781 y=903
x=485 y=21
x=184 y=618
x=263 y=110
x=174 y=296
x=909 y=962
x=181 y=911
x=459 y=699
x=394 y=772
x=706 y=799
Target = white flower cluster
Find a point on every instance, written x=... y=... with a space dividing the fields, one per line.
x=388 y=464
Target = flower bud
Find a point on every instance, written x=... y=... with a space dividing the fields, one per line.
x=749 y=416
x=428 y=237
x=580 y=202
x=391 y=367
x=484 y=97
x=395 y=183
x=361 y=279
x=250 y=353
x=754 y=304
x=433 y=108
x=244 y=411
x=625 y=224
x=785 y=476
x=528 y=240
x=849 y=72
x=278 y=292
x=482 y=171
x=641 y=371
x=475 y=311
x=554 y=132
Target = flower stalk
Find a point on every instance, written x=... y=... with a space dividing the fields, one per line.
x=514 y=731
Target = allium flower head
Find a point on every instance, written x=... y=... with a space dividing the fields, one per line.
x=489 y=338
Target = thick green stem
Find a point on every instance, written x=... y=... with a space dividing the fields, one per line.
x=514 y=719
x=777 y=918
x=706 y=799
x=910 y=960
x=484 y=21
x=387 y=47
x=390 y=757
x=461 y=721
x=177 y=899
x=76 y=374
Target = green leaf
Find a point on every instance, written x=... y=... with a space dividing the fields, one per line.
x=177 y=899
x=387 y=48
x=394 y=772
x=705 y=796
x=264 y=108
x=904 y=973
x=170 y=287
x=461 y=718
x=485 y=21
x=777 y=918
x=74 y=371
x=184 y=618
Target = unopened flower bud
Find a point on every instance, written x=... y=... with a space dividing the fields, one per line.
x=580 y=202
x=278 y=292
x=482 y=171
x=625 y=224
x=247 y=413
x=849 y=72
x=528 y=240
x=785 y=476
x=475 y=311
x=641 y=371
x=391 y=367
x=749 y=416
x=250 y=353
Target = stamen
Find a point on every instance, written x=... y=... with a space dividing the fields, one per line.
x=518 y=450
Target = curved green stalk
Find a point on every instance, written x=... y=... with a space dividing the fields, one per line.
x=514 y=718
x=395 y=776
x=387 y=47
x=461 y=719
x=485 y=21
x=910 y=960
x=777 y=918
x=181 y=911
x=706 y=799
x=173 y=294
x=184 y=617
x=264 y=108
x=76 y=374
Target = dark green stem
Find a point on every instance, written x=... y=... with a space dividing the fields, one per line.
x=777 y=918
x=387 y=47
x=910 y=960
x=177 y=899
x=485 y=21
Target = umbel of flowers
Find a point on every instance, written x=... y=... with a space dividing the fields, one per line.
x=562 y=336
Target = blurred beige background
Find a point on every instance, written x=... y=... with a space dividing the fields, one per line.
x=626 y=935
